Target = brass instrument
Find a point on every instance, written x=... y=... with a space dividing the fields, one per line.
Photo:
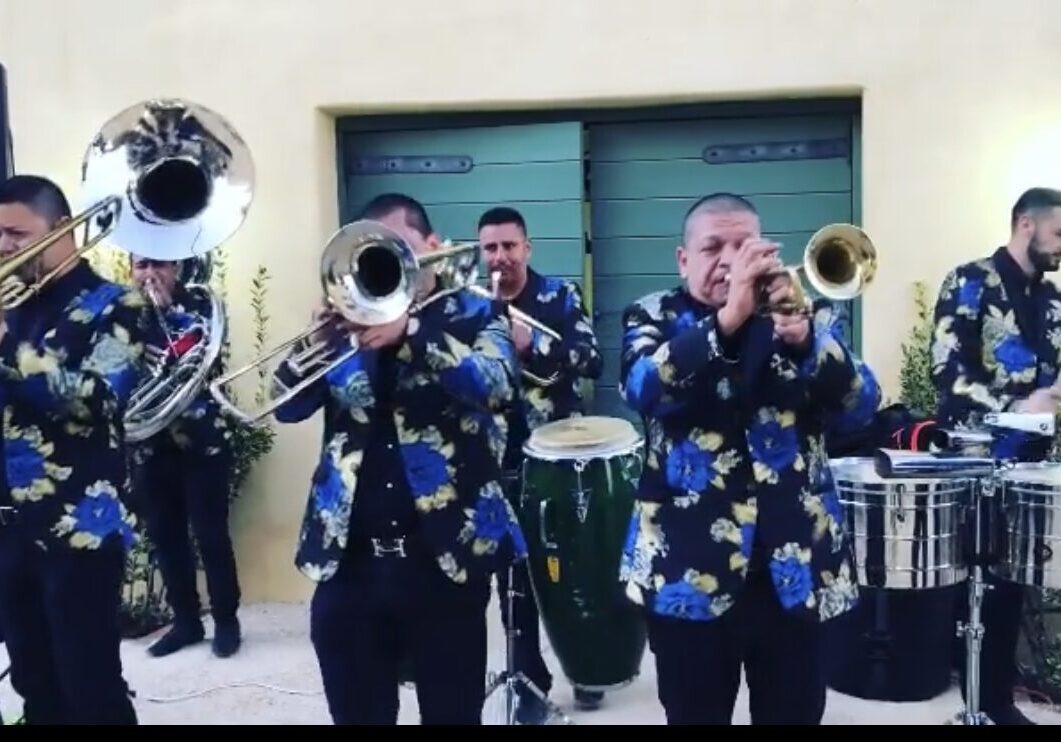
x=518 y=316
x=168 y=180
x=165 y=178
x=839 y=260
x=370 y=276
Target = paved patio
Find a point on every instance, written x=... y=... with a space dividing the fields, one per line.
x=185 y=688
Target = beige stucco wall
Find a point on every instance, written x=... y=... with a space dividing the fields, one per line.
x=960 y=113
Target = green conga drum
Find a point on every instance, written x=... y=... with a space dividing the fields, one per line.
x=579 y=481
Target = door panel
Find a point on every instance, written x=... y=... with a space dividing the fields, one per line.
x=795 y=170
x=460 y=173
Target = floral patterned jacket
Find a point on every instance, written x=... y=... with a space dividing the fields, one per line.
x=557 y=304
x=457 y=379
x=202 y=428
x=63 y=403
x=982 y=359
x=736 y=464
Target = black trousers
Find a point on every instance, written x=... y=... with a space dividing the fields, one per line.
x=378 y=610
x=60 y=613
x=698 y=664
x=175 y=489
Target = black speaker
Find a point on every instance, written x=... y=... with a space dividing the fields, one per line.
x=7 y=158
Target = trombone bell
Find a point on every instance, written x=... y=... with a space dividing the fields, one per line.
x=370 y=276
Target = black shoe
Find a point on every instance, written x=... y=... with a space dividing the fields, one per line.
x=588 y=700
x=227 y=638
x=1008 y=716
x=177 y=638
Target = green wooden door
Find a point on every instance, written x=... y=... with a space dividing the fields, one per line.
x=797 y=170
x=458 y=173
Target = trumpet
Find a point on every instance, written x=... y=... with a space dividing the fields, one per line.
x=518 y=316
x=840 y=261
x=370 y=276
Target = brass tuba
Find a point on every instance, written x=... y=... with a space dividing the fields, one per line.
x=370 y=276
x=169 y=180
x=839 y=261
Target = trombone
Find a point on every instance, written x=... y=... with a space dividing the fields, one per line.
x=167 y=176
x=840 y=261
x=370 y=276
x=518 y=316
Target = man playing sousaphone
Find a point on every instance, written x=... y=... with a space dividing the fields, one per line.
x=181 y=477
x=555 y=365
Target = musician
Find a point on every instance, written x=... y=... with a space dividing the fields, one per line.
x=406 y=520
x=736 y=548
x=552 y=392
x=182 y=475
x=995 y=348
x=69 y=359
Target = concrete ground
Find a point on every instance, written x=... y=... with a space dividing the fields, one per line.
x=274 y=680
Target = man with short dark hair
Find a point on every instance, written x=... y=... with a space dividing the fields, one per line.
x=407 y=520
x=552 y=390
x=181 y=477
x=69 y=359
x=996 y=347
x=737 y=549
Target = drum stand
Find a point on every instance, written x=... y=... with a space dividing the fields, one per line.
x=510 y=678
x=973 y=631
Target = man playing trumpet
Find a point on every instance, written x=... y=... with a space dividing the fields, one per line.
x=737 y=549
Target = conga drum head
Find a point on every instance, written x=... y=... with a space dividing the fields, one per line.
x=1029 y=511
x=579 y=483
x=582 y=437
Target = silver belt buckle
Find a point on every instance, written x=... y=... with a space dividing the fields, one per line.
x=381 y=546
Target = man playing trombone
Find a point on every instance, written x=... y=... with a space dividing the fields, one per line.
x=181 y=476
x=69 y=358
x=406 y=520
x=557 y=352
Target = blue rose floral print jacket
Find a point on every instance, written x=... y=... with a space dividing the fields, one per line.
x=457 y=379
x=63 y=406
x=568 y=362
x=736 y=460
x=982 y=359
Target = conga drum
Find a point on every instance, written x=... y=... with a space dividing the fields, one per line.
x=579 y=481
